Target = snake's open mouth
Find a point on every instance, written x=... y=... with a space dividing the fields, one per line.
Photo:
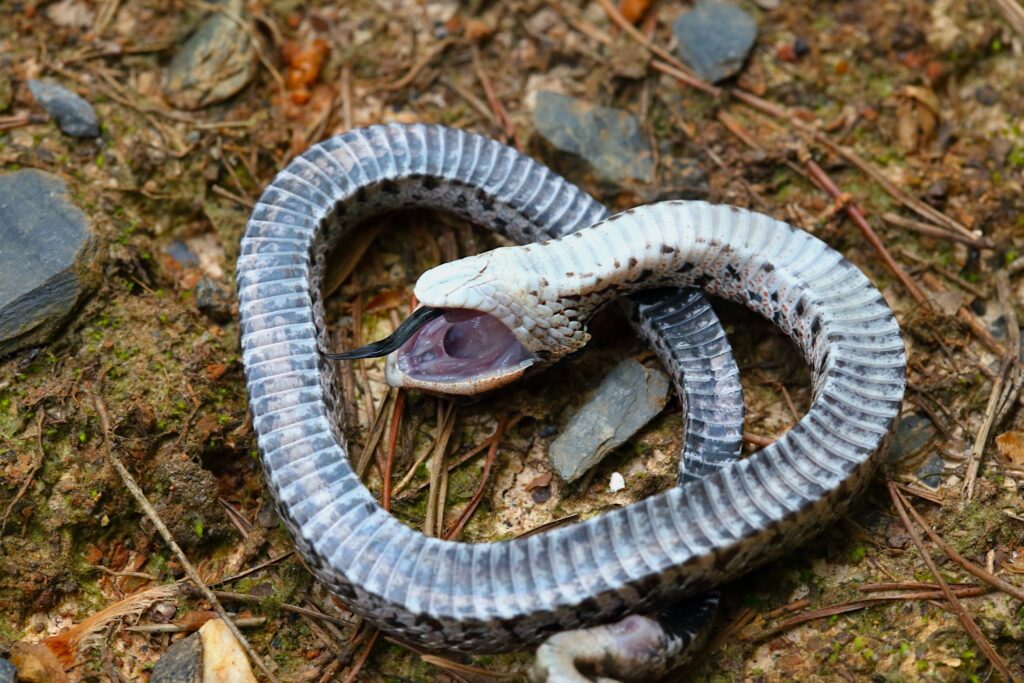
x=460 y=351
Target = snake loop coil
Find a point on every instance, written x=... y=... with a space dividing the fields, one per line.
x=725 y=517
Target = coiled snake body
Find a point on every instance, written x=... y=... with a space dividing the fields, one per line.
x=724 y=518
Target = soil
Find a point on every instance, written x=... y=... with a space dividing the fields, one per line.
x=931 y=94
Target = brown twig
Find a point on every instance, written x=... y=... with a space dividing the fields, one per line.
x=457 y=463
x=22 y=119
x=252 y=570
x=389 y=462
x=434 y=519
x=232 y=596
x=191 y=626
x=935 y=231
x=140 y=498
x=500 y=112
x=965 y=619
x=908 y=586
x=981 y=440
x=672 y=67
x=357 y=666
x=822 y=178
x=478 y=495
x=922 y=494
x=976 y=570
x=1013 y=13
x=424 y=61
x=757 y=439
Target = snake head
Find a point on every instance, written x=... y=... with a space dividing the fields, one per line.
x=486 y=320
x=498 y=319
x=478 y=343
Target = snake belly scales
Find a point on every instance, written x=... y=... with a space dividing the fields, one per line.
x=726 y=516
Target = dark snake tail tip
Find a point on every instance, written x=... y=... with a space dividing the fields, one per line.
x=405 y=331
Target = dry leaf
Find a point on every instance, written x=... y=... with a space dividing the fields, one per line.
x=634 y=10
x=1011 y=447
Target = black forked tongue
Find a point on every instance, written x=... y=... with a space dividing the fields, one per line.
x=405 y=331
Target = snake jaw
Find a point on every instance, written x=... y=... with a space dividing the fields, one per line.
x=461 y=352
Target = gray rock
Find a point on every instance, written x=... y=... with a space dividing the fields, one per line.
x=75 y=116
x=625 y=401
x=181 y=254
x=714 y=38
x=915 y=430
x=182 y=663
x=215 y=62
x=7 y=671
x=213 y=299
x=930 y=473
x=48 y=257
x=609 y=140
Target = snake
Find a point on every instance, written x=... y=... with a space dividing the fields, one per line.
x=530 y=304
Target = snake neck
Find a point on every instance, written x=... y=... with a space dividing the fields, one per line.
x=547 y=292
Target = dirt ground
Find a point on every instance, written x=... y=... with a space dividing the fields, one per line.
x=912 y=109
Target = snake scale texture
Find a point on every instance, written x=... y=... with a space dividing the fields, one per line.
x=725 y=518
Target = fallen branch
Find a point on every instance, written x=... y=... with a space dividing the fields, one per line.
x=931 y=230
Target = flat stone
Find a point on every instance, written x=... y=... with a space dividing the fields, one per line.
x=182 y=663
x=73 y=115
x=48 y=255
x=914 y=431
x=714 y=38
x=609 y=140
x=215 y=62
x=930 y=473
x=625 y=401
x=7 y=672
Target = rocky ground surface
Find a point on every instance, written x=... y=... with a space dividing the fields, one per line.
x=136 y=137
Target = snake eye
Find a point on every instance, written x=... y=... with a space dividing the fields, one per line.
x=462 y=348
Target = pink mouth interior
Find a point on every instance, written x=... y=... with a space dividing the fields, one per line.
x=461 y=345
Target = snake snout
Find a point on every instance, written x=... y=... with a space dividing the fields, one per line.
x=460 y=352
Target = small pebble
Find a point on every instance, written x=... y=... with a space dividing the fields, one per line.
x=7 y=672
x=617 y=483
x=714 y=38
x=986 y=95
x=75 y=116
x=181 y=254
x=213 y=299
